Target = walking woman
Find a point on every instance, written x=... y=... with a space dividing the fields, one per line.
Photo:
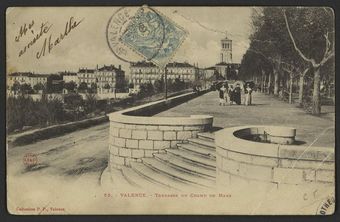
x=237 y=94
x=247 y=92
x=226 y=93
x=231 y=94
x=222 y=91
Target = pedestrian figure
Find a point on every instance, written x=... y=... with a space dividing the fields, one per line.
x=247 y=92
x=222 y=91
x=231 y=94
x=226 y=94
x=237 y=94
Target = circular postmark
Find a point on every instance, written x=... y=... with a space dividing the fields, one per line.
x=327 y=206
x=130 y=30
x=30 y=159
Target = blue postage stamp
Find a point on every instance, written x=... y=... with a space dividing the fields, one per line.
x=153 y=36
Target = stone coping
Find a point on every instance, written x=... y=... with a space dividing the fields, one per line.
x=226 y=139
x=134 y=115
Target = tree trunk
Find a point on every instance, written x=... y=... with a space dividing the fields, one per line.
x=316 y=106
x=301 y=85
x=262 y=82
x=276 y=82
x=290 y=88
x=269 y=83
x=277 y=70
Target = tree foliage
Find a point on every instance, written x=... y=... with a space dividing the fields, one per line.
x=70 y=86
x=288 y=42
x=82 y=87
x=24 y=111
x=39 y=86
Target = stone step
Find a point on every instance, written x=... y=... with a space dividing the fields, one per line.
x=200 y=150
x=154 y=176
x=140 y=181
x=206 y=136
x=188 y=166
x=204 y=143
x=189 y=156
x=177 y=174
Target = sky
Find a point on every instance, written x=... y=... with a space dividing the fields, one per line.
x=86 y=45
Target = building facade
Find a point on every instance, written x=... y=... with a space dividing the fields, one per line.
x=210 y=73
x=106 y=77
x=183 y=71
x=227 y=70
x=70 y=77
x=109 y=75
x=27 y=78
x=87 y=76
x=144 y=72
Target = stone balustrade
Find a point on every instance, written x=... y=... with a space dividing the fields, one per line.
x=272 y=161
x=135 y=135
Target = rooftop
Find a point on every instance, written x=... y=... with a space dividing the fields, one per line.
x=179 y=65
x=226 y=37
x=172 y=65
x=109 y=68
x=143 y=64
x=225 y=64
x=68 y=73
x=86 y=70
x=210 y=68
x=28 y=74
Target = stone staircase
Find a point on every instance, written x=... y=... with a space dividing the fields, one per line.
x=192 y=165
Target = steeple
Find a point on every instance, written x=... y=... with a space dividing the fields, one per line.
x=226 y=49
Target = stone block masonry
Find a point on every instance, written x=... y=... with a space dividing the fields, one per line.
x=134 y=136
x=131 y=143
x=243 y=161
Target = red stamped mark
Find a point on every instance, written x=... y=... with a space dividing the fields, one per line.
x=30 y=159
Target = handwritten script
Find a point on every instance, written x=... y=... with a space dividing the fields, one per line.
x=44 y=32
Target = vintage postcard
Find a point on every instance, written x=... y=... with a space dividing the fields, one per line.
x=170 y=110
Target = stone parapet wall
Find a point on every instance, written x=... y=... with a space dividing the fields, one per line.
x=245 y=161
x=134 y=136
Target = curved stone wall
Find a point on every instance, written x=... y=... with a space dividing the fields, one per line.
x=245 y=161
x=133 y=135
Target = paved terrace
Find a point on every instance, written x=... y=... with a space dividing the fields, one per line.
x=81 y=156
x=266 y=110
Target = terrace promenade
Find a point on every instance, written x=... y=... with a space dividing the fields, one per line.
x=266 y=110
x=80 y=157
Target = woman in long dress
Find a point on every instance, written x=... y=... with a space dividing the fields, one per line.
x=222 y=91
x=231 y=94
x=237 y=94
x=247 y=92
x=226 y=93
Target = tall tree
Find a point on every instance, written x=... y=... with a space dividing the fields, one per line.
x=316 y=25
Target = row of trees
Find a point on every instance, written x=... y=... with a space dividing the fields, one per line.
x=292 y=46
x=148 y=89
x=24 y=111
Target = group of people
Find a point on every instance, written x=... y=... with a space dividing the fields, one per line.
x=232 y=94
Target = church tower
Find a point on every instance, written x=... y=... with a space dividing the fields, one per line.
x=226 y=50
